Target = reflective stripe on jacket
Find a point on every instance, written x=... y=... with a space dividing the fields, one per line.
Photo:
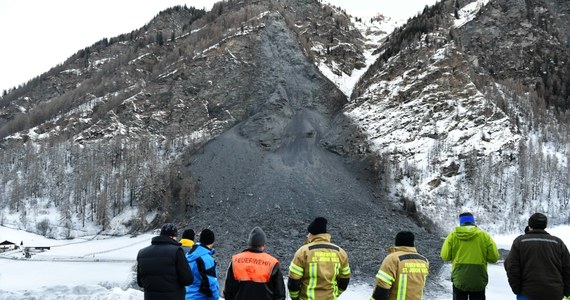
x=251 y=266
x=404 y=273
x=318 y=265
x=469 y=249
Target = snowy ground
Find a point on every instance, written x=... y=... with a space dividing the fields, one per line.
x=102 y=268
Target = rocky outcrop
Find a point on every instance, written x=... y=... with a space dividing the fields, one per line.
x=526 y=41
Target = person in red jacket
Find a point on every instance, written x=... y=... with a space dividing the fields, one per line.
x=254 y=274
x=538 y=265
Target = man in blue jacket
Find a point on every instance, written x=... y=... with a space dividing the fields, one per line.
x=201 y=260
x=162 y=268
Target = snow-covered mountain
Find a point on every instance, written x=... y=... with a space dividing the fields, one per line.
x=461 y=127
x=290 y=109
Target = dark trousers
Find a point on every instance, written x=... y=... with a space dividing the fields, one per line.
x=464 y=295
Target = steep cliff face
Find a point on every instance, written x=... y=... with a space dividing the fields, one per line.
x=455 y=111
x=526 y=41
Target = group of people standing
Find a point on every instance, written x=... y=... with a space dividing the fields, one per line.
x=538 y=266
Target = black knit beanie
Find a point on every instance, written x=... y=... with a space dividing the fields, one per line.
x=188 y=234
x=404 y=238
x=207 y=237
x=319 y=225
x=537 y=221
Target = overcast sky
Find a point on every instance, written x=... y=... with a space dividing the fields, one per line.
x=36 y=35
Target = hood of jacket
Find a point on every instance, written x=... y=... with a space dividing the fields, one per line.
x=199 y=251
x=187 y=242
x=466 y=233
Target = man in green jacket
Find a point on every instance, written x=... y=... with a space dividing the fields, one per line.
x=469 y=249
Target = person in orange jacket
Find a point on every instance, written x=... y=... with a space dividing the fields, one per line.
x=254 y=274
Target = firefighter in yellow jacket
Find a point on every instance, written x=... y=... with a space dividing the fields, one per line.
x=319 y=270
x=403 y=272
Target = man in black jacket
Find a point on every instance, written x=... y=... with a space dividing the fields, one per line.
x=254 y=274
x=162 y=269
x=538 y=265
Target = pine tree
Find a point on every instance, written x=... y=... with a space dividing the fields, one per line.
x=159 y=38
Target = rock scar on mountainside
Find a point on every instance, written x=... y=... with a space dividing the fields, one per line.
x=273 y=169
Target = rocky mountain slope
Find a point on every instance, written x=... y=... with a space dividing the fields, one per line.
x=274 y=170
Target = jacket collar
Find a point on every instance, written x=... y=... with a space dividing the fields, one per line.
x=254 y=250
x=163 y=239
x=198 y=250
x=402 y=249
x=187 y=242
x=321 y=237
x=538 y=231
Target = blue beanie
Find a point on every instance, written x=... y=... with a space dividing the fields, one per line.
x=466 y=219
